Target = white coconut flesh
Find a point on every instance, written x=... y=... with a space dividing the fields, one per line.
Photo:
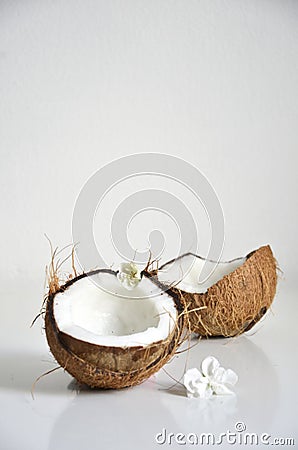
x=195 y=274
x=109 y=317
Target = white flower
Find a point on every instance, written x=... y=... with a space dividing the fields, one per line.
x=212 y=380
x=129 y=275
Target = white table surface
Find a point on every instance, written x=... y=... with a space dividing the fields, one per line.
x=84 y=83
x=60 y=417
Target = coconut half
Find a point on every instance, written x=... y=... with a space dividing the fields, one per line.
x=105 y=339
x=232 y=300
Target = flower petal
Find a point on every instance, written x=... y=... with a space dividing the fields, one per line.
x=219 y=375
x=212 y=380
x=129 y=275
x=221 y=389
x=208 y=392
x=128 y=268
x=203 y=390
x=230 y=377
x=226 y=376
x=209 y=366
x=196 y=384
x=191 y=378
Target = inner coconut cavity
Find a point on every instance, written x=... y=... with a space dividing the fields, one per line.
x=109 y=317
x=195 y=274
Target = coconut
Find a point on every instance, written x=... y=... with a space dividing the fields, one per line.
x=232 y=299
x=107 y=339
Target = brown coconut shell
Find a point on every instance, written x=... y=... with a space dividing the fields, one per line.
x=236 y=302
x=106 y=367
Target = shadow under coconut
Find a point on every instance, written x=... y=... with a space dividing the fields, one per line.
x=83 y=389
x=128 y=418
x=19 y=371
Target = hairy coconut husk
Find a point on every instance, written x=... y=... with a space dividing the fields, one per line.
x=101 y=366
x=236 y=302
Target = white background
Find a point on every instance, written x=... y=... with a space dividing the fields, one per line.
x=86 y=82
